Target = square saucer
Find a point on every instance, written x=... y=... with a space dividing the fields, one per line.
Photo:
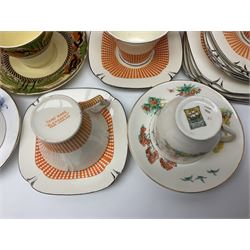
x=45 y=178
x=107 y=65
x=212 y=73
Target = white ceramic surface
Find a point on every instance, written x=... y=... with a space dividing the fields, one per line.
x=40 y=182
x=2 y=128
x=173 y=66
x=137 y=36
x=136 y=43
x=208 y=69
x=146 y=199
x=56 y=119
x=175 y=129
x=10 y=125
x=228 y=51
x=213 y=169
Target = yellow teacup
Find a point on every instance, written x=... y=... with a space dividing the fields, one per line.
x=24 y=44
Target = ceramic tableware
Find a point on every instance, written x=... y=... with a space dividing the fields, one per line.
x=234 y=46
x=191 y=69
x=107 y=64
x=67 y=52
x=199 y=67
x=136 y=47
x=70 y=129
x=24 y=44
x=9 y=126
x=190 y=127
x=180 y=172
x=73 y=141
x=221 y=60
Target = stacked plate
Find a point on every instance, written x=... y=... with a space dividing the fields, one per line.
x=220 y=60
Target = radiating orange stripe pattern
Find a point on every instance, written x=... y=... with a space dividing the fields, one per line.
x=76 y=141
x=237 y=45
x=95 y=169
x=247 y=34
x=158 y=63
x=203 y=44
x=91 y=102
x=135 y=58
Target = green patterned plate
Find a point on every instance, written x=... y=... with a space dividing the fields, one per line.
x=68 y=50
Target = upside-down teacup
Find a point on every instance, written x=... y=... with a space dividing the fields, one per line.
x=71 y=136
x=187 y=128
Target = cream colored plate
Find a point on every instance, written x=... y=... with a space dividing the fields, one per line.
x=171 y=69
x=42 y=183
x=208 y=172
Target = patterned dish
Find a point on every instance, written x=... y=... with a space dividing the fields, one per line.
x=70 y=50
x=45 y=177
x=107 y=65
x=207 y=172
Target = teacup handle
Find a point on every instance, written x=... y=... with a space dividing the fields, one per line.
x=228 y=136
x=96 y=104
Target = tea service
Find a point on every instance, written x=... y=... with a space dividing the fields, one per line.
x=183 y=135
x=39 y=62
x=220 y=67
x=136 y=47
x=74 y=141
x=189 y=127
x=135 y=59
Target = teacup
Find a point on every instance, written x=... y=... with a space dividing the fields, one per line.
x=187 y=128
x=136 y=47
x=24 y=44
x=72 y=136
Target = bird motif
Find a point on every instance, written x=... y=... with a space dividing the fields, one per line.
x=213 y=171
x=189 y=178
x=201 y=178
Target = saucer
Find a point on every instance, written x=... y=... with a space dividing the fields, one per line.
x=235 y=46
x=107 y=65
x=70 y=50
x=209 y=171
x=221 y=60
x=9 y=126
x=200 y=67
x=45 y=177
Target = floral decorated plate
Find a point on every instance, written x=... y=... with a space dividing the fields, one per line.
x=211 y=170
x=68 y=50
x=9 y=126
x=44 y=177
x=111 y=69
